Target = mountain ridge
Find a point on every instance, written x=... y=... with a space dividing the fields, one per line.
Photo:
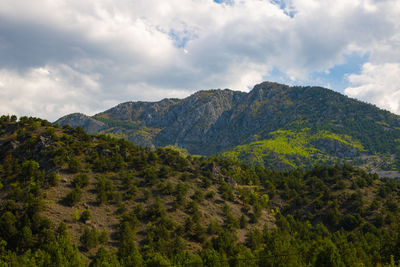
x=211 y=122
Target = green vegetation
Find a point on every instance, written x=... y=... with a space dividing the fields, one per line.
x=293 y=149
x=183 y=152
x=274 y=125
x=136 y=207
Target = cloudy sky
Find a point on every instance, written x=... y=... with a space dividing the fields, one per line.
x=64 y=56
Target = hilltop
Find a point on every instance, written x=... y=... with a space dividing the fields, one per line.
x=70 y=198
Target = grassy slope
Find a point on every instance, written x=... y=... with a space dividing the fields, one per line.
x=293 y=148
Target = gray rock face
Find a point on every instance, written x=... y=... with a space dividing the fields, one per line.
x=209 y=122
x=148 y=113
x=78 y=119
x=195 y=122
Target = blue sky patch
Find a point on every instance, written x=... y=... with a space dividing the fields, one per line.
x=337 y=77
x=229 y=2
x=288 y=10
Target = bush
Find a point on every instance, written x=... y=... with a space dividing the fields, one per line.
x=147 y=194
x=226 y=192
x=349 y=222
x=257 y=209
x=29 y=169
x=206 y=182
x=166 y=189
x=81 y=180
x=392 y=206
x=85 y=216
x=104 y=258
x=53 y=179
x=103 y=237
x=75 y=215
x=157 y=260
x=74 y=165
x=150 y=175
x=105 y=190
x=131 y=192
x=91 y=238
x=264 y=200
x=164 y=172
x=198 y=196
x=180 y=192
x=327 y=254
x=73 y=197
x=210 y=195
x=7 y=225
x=214 y=228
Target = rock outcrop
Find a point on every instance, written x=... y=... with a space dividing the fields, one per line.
x=213 y=121
x=90 y=124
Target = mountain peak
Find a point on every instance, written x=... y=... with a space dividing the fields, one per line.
x=328 y=125
x=268 y=84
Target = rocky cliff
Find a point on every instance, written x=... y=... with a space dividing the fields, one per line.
x=215 y=121
x=78 y=119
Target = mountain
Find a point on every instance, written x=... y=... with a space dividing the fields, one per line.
x=73 y=199
x=273 y=125
x=78 y=119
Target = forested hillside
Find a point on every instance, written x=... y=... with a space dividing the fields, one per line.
x=73 y=199
x=274 y=125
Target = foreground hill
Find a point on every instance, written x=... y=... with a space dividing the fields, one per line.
x=273 y=125
x=72 y=199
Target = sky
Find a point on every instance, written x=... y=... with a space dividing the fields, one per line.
x=63 y=56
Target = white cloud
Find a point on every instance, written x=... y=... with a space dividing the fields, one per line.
x=47 y=92
x=379 y=84
x=101 y=52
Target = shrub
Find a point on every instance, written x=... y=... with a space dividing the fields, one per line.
x=75 y=215
x=74 y=165
x=392 y=206
x=210 y=195
x=105 y=189
x=73 y=197
x=180 y=192
x=91 y=238
x=150 y=175
x=198 y=196
x=85 y=216
x=164 y=172
x=29 y=169
x=7 y=225
x=166 y=189
x=349 y=222
x=147 y=194
x=226 y=192
x=264 y=200
x=53 y=179
x=81 y=180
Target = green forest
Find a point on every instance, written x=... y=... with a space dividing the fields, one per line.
x=73 y=199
